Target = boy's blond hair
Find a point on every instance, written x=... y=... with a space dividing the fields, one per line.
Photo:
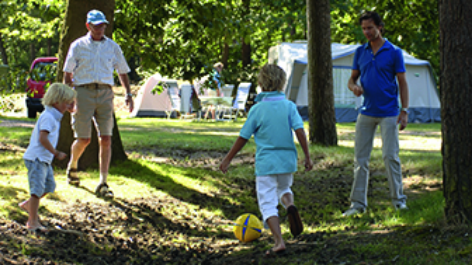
x=272 y=78
x=58 y=93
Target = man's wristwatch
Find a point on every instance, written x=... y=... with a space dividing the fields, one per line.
x=405 y=110
x=129 y=95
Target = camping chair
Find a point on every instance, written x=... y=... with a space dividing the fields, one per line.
x=185 y=98
x=239 y=103
x=174 y=101
x=227 y=90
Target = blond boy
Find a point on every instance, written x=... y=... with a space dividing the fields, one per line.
x=271 y=121
x=42 y=150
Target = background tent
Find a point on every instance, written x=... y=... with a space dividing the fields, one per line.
x=166 y=103
x=292 y=57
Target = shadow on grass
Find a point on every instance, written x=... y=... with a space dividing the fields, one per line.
x=12 y=196
x=163 y=178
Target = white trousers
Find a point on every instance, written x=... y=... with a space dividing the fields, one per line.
x=270 y=190
x=365 y=132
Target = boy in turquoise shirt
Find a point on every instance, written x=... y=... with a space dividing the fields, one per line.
x=271 y=121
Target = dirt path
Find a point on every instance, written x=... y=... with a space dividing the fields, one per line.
x=16 y=123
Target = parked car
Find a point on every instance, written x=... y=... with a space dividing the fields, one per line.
x=42 y=73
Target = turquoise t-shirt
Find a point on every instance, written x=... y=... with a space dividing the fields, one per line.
x=271 y=121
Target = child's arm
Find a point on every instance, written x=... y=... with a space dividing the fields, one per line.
x=43 y=139
x=237 y=146
x=302 y=140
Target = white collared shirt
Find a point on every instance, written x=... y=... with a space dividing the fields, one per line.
x=94 y=61
x=50 y=120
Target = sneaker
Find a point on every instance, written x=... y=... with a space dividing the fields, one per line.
x=103 y=190
x=401 y=206
x=353 y=211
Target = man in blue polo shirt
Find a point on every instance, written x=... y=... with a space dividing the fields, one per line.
x=378 y=63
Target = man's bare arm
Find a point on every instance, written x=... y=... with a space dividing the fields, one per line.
x=124 y=80
x=352 y=83
x=68 y=79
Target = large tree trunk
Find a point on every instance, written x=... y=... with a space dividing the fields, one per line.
x=246 y=46
x=49 y=43
x=3 y=51
x=225 y=55
x=74 y=27
x=32 y=51
x=322 y=117
x=456 y=113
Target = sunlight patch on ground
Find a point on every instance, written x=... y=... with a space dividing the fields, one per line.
x=411 y=143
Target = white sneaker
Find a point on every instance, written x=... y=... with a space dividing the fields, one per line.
x=353 y=211
x=401 y=206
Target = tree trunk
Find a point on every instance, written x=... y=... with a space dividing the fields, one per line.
x=3 y=51
x=74 y=27
x=32 y=51
x=225 y=55
x=322 y=118
x=456 y=113
x=246 y=46
x=49 y=43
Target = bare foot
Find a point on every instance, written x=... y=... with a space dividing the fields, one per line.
x=36 y=226
x=278 y=248
x=24 y=206
x=275 y=251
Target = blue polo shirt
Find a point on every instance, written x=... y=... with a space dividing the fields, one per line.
x=378 y=78
x=271 y=121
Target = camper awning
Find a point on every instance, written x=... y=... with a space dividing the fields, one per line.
x=342 y=50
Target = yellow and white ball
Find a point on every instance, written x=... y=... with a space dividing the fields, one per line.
x=247 y=227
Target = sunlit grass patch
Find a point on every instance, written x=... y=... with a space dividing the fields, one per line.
x=171 y=192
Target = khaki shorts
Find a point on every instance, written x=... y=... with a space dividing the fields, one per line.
x=94 y=103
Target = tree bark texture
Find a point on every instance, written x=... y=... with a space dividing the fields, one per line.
x=322 y=118
x=246 y=47
x=456 y=112
x=74 y=27
x=32 y=52
x=225 y=55
x=3 y=51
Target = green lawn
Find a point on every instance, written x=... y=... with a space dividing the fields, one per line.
x=176 y=207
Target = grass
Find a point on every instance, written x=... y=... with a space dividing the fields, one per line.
x=174 y=165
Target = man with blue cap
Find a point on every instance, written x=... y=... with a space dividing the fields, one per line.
x=88 y=68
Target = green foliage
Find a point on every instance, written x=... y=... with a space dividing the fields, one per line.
x=14 y=80
x=44 y=72
x=30 y=26
x=183 y=39
x=174 y=38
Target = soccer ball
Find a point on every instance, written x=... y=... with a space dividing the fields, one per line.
x=247 y=227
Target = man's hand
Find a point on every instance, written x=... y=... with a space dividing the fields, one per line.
x=403 y=120
x=129 y=102
x=357 y=90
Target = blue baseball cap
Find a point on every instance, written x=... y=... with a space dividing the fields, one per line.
x=96 y=17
